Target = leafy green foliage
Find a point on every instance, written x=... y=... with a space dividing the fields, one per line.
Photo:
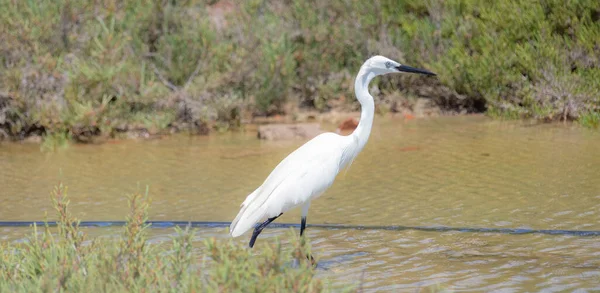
x=590 y=119
x=64 y=259
x=537 y=59
x=79 y=70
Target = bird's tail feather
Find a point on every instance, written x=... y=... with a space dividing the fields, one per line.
x=246 y=218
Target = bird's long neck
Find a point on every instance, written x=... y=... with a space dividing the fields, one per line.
x=361 y=89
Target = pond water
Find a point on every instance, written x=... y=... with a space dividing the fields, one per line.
x=450 y=171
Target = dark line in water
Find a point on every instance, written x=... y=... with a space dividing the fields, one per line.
x=168 y=224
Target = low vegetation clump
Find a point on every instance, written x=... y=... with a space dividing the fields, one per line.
x=63 y=259
x=520 y=59
x=75 y=70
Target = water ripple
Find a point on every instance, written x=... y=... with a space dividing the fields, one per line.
x=451 y=171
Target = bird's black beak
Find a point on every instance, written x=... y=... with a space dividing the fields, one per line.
x=405 y=68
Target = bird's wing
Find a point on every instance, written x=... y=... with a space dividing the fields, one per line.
x=305 y=173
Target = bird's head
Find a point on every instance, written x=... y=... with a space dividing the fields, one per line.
x=382 y=65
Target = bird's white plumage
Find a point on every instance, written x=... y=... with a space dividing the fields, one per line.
x=303 y=175
x=308 y=171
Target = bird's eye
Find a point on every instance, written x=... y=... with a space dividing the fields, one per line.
x=388 y=64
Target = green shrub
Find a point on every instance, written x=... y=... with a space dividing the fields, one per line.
x=590 y=119
x=537 y=59
x=103 y=68
x=63 y=259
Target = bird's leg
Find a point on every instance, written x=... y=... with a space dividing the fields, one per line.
x=259 y=229
x=303 y=226
x=303 y=220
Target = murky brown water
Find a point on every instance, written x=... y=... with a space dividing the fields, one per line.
x=452 y=171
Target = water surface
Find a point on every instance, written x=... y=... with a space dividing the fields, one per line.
x=450 y=171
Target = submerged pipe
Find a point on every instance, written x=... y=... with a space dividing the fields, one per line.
x=206 y=224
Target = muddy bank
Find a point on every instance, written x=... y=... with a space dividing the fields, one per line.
x=298 y=123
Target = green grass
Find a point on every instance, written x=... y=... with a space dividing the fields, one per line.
x=107 y=67
x=65 y=259
x=590 y=119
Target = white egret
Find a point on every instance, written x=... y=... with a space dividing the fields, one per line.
x=308 y=171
